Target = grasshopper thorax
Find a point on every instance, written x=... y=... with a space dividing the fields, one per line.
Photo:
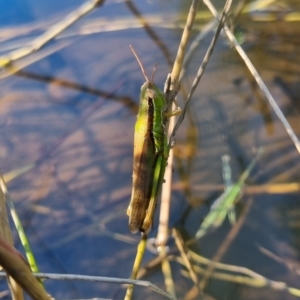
x=150 y=89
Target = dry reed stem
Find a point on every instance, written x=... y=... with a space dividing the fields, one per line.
x=151 y=33
x=183 y=252
x=203 y=65
x=272 y=188
x=220 y=252
x=195 y=44
x=100 y=279
x=17 y=268
x=22 y=63
x=224 y=267
x=254 y=282
x=136 y=265
x=165 y=203
x=226 y=243
x=183 y=44
x=51 y=33
x=257 y=78
x=167 y=272
x=19 y=227
x=5 y=234
x=171 y=86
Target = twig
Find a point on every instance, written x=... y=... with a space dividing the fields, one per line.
x=5 y=234
x=203 y=65
x=165 y=203
x=221 y=251
x=17 y=66
x=170 y=92
x=19 y=227
x=164 y=49
x=167 y=272
x=52 y=32
x=275 y=188
x=224 y=267
x=258 y=79
x=137 y=263
x=183 y=252
x=100 y=279
x=15 y=265
x=291 y=265
x=195 y=44
x=183 y=44
x=226 y=244
x=254 y=282
x=204 y=32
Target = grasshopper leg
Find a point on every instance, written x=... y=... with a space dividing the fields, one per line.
x=158 y=178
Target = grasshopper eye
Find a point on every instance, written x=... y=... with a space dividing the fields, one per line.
x=151 y=93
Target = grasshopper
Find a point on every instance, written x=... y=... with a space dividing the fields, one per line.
x=149 y=155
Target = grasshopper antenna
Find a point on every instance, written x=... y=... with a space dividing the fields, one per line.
x=153 y=72
x=140 y=63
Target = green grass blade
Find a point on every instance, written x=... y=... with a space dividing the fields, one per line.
x=224 y=203
x=19 y=227
x=227 y=178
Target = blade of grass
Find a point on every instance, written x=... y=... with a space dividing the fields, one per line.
x=227 y=178
x=17 y=172
x=19 y=227
x=5 y=234
x=221 y=206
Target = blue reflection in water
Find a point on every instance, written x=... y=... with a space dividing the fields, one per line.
x=15 y=12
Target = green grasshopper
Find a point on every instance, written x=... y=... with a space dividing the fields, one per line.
x=149 y=155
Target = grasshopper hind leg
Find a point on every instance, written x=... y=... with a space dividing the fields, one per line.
x=157 y=182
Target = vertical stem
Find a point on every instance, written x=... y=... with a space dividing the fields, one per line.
x=183 y=44
x=137 y=263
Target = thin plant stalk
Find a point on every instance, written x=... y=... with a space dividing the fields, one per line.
x=51 y=33
x=257 y=78
x=170 y=87
x=151 y=33
x=183 y=252
x=277 y=188
x=257 y=282
x=224 y=203
x=24 y=240
x=167 y=272
x=100 y=279
x=21 y=64
x=226 y=244
x=183 y=44
x=202 y=66
x=5 y=234
x=137 y=263
x=165 y=203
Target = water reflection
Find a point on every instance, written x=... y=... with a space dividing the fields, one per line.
x=73 y=204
